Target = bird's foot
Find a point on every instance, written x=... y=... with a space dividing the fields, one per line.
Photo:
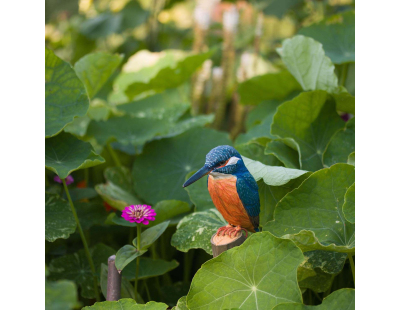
x=231 y=231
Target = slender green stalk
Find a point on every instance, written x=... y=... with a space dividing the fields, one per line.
x=85 y=245
x=343 y=74
x=114 y=155
x=353 y=267
x=131 y=233
x=147 y=290
x=137 y=260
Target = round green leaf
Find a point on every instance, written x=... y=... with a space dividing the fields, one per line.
x=311 y=120
x=312 y=215
x=65 y=154
x=341 y=145
x=260 y=273
x=76 y=267
x=305 y=59
x=255 y=149
x=349 y=204
x=95 y=69
x=167 y=209
x=125 y=255
x=284 y=151
x=337 y=35
x=126 y=304
x=343 y=299
x=149 y=268
x=118 y=191
x=161 y=169
x=65 y=94
x=194 y=231
x=59 y=220
x=351 y=160
x=61 y=295
x=266 y=87
x=181 y=304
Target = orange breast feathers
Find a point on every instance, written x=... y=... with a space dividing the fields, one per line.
x=226 y=199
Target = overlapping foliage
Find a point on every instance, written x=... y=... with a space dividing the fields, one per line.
x=119 y=121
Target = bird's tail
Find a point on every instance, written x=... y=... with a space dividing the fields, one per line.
x=257 y=229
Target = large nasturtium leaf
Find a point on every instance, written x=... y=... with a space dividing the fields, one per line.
x=95 y=69
x=259 y=273
x=337 y=35
x=61 y=295
x=76 y=267
x=126 y=304
x=149 y=268
x=305 y=59
x=319 y=268
x=351 y=160
x=59 y=221
x=312 y=215
x=160 y=171
x=170 y=76
x=349 y=207
x=345 y=102
x=167 y=209
x=267 y=87
x=168 y=105
x=66 y=96
x=343 y=299
x=65 y=154
x=118 y=191
x=195 y=230
x=342 y=144
x=311 y=120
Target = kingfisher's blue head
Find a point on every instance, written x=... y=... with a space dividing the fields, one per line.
x=222 y=159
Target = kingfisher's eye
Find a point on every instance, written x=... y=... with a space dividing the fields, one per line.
x=221 y=163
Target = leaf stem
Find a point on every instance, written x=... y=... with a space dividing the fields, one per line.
x=137 y=260
x=147 y=290
x=85 y=245
x=343 y=74
x=353 y=267
x=188 y=258
x=114 y=155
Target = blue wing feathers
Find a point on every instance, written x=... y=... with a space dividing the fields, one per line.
x=248 y=193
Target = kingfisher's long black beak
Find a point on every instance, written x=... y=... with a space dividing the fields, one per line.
x=199 y=174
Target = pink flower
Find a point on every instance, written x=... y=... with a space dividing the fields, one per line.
x=139 y=214
x=68 y=180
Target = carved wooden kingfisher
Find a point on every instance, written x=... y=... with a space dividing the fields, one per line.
x=232 y=188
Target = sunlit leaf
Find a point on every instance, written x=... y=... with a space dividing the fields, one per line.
x=312 y=215
x=59 y=220
x=351 y=160
x=66 y=96
x=181 y=304
x=305 y=59
x=195 y=230
x=259 y=273
x=163 y=165
x=65 y=154
x=311 y=120
x=95 y=69
x=337 y=35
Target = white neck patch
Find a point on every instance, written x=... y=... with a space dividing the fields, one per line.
x=232 y=161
